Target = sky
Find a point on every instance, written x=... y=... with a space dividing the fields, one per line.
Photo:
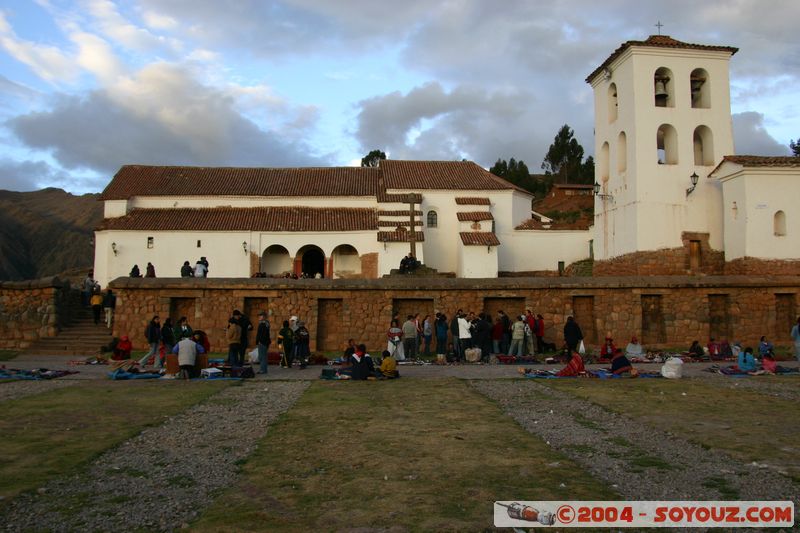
x=87 y=86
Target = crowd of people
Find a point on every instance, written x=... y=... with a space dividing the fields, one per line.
x=99 y=301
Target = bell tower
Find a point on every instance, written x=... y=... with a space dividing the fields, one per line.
x=662 y=122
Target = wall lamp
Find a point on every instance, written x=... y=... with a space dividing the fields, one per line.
x=694 y=177
x=599 y=195
x=244 y=246
x=114 y=248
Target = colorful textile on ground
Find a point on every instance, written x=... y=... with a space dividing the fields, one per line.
x=121 y=374
x=35 y=374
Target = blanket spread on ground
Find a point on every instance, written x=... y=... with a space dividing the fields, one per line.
x=35 y=374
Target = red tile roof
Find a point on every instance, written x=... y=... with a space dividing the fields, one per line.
x=441 y=175
x=386 y=198
x=657 y=41
x=583 y=223
x=143 y=180
x=398 y=213
x=474 y=216
x=759 y=161
x=479 y=238
x=398 y=236
x=473 y=201
x=396 y=223
x=245 y=219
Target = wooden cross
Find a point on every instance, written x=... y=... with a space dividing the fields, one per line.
x=412 y=237
x=659 y=26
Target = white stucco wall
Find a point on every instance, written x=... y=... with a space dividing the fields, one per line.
x=477 y=262
x=648 y=196
x=115 y=208
x=543 y=249
x=390 y=254
x=759 y=194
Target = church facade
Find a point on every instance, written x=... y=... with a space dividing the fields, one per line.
x=670 y=198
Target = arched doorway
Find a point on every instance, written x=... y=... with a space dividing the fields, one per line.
x=311 y=261
x=276 y=261
x=346 y=262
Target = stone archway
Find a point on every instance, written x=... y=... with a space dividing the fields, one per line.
x=311 y=260
x=276 y=260
x=346 y=263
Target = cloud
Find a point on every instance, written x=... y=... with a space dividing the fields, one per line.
x=751 y=138
x=33 y=175
x=121 y=30
x=160 y=116
x=48 y=62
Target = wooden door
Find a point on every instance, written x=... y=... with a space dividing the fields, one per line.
x=331 y=336
x=653 y=327
x=718 y=320
x=583 y=311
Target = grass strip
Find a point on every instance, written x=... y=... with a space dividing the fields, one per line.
x=52 y=434
x=415 y=454
x=747 y=425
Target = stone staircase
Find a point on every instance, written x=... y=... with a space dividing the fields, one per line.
x=80 y=337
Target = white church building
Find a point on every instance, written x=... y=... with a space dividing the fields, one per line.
x=666 y=180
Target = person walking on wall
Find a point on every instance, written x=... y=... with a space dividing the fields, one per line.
x=263 y=341
x=153 y=334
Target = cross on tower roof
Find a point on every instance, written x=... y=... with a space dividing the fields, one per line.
x=659 y=26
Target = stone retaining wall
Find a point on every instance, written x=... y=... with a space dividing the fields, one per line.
x=30 y=310
x=667 y=311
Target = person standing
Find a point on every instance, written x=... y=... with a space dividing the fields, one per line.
x=483 y=336
x=168 y=335
x=572 y=334
x=246 y=327
x=263 y=341
x=97 y=304
x=109 y=304
x=87 y=288
x=302 y=344
x=530 y=332
x=454 y=333
x=183 y=329
x=153 y=334
x=410 y=337
x=517 y=337
x=286 y=344
x=441 y=334
x=540 y=333
x=151 y=270
x=464 y=334
x=505 y=344
x=395 y=344
x=796 y=338
x=427 y=333
x=234 y=336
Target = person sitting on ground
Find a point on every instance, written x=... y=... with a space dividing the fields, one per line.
x=607 y=351
x=135 y=272
x=696 y=351
x=764 y=346
x=634 y=349
x=388 y=368
x=408 y=264
x=619 y=363
x=771 y=367
x=187 y=350
x=746 y=362
x=574 y=365
x=350 y=350
x=123 y=349
x=361 y=364
x=714 y=349
x=186 y=270
x=725 y=348
x=151 y=271
x=200 y=269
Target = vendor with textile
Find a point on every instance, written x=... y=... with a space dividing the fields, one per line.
x=123 y=349
x=746 y=361
x=634 y=349
x=620 y=364
x=361 y=365
x=388 y=368
x=187 y=350
x=574 y=365
x=607 y=351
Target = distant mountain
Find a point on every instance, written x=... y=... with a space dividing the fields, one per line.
x=47 y=232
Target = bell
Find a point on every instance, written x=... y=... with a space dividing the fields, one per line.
x=697 y=83
x=661 y=89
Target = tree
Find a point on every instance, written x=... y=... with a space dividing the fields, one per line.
x=373 y=159
x=564 y=159
x=795 y=146
x=514 y=171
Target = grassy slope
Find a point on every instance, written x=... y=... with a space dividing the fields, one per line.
x=425 y=455
x=743 y=423
x=52 y=434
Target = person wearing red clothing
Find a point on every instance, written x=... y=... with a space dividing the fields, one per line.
x=607 y=351
x=497 y=335
x=574 y=366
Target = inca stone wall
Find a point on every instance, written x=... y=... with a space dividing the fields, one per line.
x=667 y=311
x=30 y=310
